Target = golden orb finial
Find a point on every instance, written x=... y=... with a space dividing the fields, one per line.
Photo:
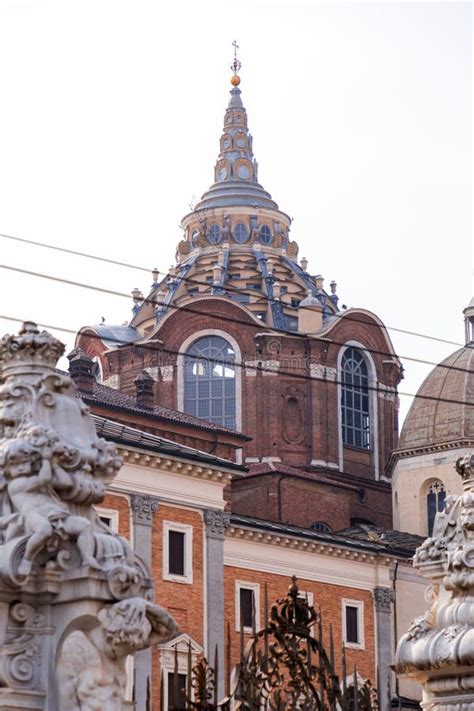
x=235 y=66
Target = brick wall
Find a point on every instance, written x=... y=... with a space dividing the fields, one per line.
x=327 y=597
x=185 y=602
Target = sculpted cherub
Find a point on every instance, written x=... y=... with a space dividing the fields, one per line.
x=30 y=479
x=91 y=672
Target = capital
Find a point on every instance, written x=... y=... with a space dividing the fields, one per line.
x=216 y=522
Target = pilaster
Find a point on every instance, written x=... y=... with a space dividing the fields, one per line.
x=383 y=599
x=216 y=522
x=143 y=507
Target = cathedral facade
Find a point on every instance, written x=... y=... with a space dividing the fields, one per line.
x=242 y=335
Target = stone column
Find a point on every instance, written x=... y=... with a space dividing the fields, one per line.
x=216 y=522
x=383 y=599
x=143 y=508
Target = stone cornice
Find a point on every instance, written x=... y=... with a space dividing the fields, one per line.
x=147 y=459
x=334 y=550
x=427 y=449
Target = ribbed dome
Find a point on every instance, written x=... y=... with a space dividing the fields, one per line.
x=433 y=420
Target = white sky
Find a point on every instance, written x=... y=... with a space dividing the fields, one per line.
x=361 y=116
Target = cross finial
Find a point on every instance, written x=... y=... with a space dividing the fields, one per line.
x=236 y=64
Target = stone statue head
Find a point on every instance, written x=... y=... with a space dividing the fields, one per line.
x=19 y=458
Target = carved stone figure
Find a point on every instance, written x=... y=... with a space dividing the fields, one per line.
x=438 y=649
x=91 y=670
x=71 y=589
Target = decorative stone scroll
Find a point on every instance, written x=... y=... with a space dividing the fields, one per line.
x=438 y=649
x=71 y=589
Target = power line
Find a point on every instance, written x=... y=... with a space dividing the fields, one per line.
x=243 y=365
x=228 y=287
x=56 y=248
x=192 y=309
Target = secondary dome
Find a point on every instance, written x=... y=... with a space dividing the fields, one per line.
x=443 y=410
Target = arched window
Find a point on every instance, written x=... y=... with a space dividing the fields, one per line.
x=435 y=501
x=209 y=381
x=355 y=400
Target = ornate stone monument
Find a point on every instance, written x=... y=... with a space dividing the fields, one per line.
x=438 y=649
x=75 y=600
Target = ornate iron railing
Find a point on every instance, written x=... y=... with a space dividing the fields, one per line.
x=283 y=667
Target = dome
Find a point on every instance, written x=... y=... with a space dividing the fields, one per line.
x=443 y=410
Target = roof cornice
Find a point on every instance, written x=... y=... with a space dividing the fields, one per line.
x=175 y=466
x=360 y=552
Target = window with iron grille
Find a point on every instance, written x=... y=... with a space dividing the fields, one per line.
x=355 y=400
x=209 y=381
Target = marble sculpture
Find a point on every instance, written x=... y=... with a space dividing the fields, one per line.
x=75 y=600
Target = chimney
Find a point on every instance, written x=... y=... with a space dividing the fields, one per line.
x=81 y=370
x=145 y=395
x=310 y=314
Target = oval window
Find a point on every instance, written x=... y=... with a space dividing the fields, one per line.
x=241 y=232
x=266 y=234
x=214 y=234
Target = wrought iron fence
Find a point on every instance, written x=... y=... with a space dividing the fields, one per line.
x=285 y=666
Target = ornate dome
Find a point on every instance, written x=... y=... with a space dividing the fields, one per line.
x=236 y=245
x=443 y=412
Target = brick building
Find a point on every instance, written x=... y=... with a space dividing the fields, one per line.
x=211 y=567
x=241 y=355
x=242 y=334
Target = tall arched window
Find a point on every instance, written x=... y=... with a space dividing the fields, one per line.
x=355 y=400
x=435 y=501
x=209 y=381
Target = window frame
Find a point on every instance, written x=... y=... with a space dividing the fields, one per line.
x=373 y=405
x=239 y=240
x=187 y=578
x=111 y=514
x=181 y=360
x=255 y=587
x=268 y=235
x=359 y=605
x=362 y=391
x=214 y=234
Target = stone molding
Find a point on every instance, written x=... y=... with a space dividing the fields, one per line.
x=132 y=456
x=322 y=372
x=143 y=507
x=167 y=372
x=216 y=523
x=333 y=550
x=383 y=599
x=266 y=367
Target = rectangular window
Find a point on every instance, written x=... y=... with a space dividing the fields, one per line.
x=176 y=691
x=247 y=606
x=109 y=517
x=177 y=552
x=353 y=623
